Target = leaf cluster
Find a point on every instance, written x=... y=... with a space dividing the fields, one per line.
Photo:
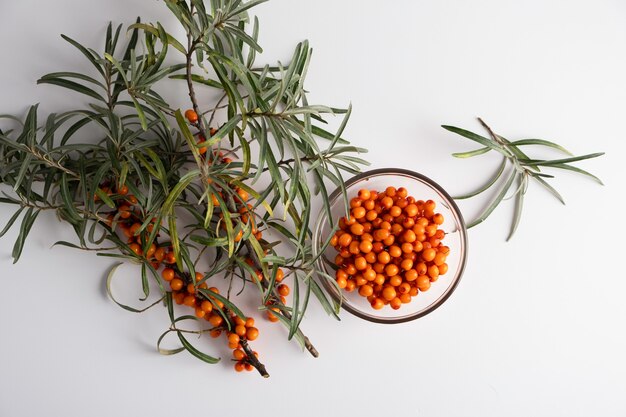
x=281 y=153
x=517 y=169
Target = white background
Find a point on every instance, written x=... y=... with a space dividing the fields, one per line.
x=537 y=325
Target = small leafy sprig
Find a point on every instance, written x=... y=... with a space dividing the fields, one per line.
x=519 y=168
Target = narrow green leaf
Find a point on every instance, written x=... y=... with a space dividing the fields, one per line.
x=243 y=8
x=227 y=303
x=27 y=223
x=79 y=88
x=163 y=351
x=523 y=142
x=144 y=282
x=471 y=153
x=68 y=201
x=477 y=138
x=93 y=58
x=494 y=203
x=140 y=114
x=519 y=204
x=485 y=187
x=11 y=221
x=76 y=75
x=578 y=170
x=170 y=39
x=109 y=279
x=22 y=172
x=198 y=79
x=553 y=162
x=195 y=352
x=550 y=188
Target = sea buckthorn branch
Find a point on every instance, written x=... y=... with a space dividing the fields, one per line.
x=275 y=299
x=131 y=183
x=521 y=168
x=231 y=319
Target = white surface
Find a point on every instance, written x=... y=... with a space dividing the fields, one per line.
x=536 y=326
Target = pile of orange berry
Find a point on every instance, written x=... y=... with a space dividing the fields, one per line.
x=390 y=247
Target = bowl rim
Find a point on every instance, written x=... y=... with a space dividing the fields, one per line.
x=462 y=230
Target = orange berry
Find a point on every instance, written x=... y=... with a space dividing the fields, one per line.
x=429 y=254
x=405 y=298
x=191 y=115
x=358 y=212
x=377 y=304
x=168 y=274
x=216 y=320
x=206 y=306
x=395 y=251
x=136 y=249
x=176 y=284
x=252 y=333
x=391 y=270
x=341 y=282
x=238 y=354
x=410 y=275
x=233 y=338
x=404 y=288
x=239 y=366
x=345 y=240
x=151 y=250
x=370 y=258
x=125 y=212
x=433 y=272
x=389 y=293
x=360 y=263
x=395 y=211
x=179 y=297
x=365 y=246
x=279 y=275
x=249 y=322
x=159 y=254
x=440 y=259
x=369 y=274
x=357 y=229
x=240 y=330
x=395 y=280
x=366 y=290
x=170 y=258
x=384 y=258
x=283 y=290
x=271 y=317
x=406 y=264
x=189 y=300
x=423 y=283
x=364 y=194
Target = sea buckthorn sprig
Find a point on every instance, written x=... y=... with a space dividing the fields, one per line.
x=521 y=169
x=390 y=247
x=179 y=191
